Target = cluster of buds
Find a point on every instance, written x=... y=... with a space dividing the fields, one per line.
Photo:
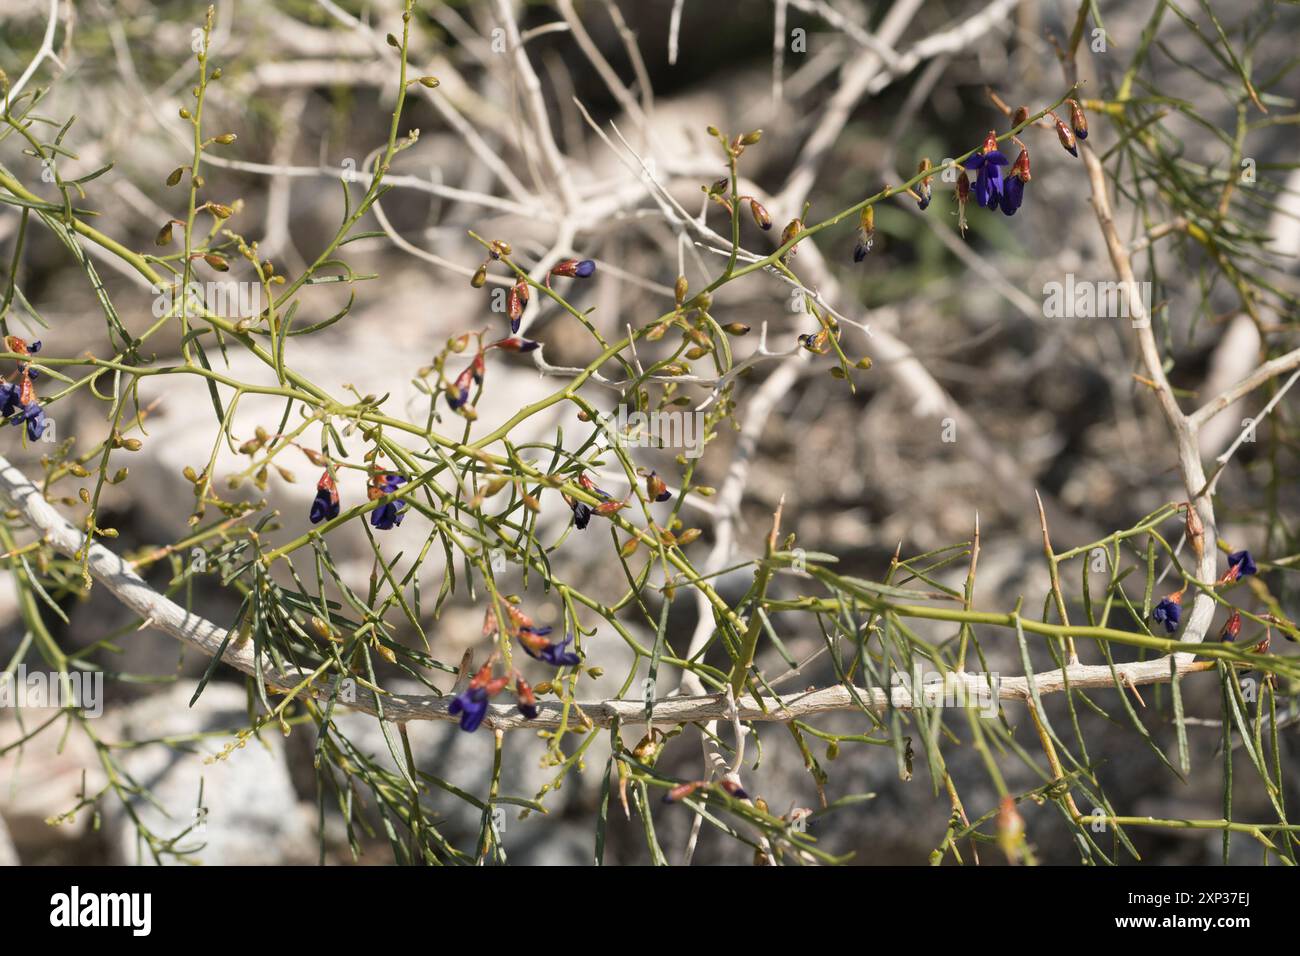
x=717 y=192
x=740 y=141
x=517 y=298
x=1078 y=128
x=18 y=403
x=496 y=249
x=457 y=391
x=1075 y=130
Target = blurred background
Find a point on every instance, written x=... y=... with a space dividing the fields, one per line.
x=977 y=398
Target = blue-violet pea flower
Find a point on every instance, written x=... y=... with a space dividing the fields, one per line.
x=9 y=399
x=471 y=704
x=1169 y=612
x=387 y=515
x=536 y=646
x=987 y=164
x=325 y=505
x=34 y=416
x=1240 y=565
x=1013 y=189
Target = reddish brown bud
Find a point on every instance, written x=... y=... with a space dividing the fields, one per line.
x=1078 y=121
x=1066 y=136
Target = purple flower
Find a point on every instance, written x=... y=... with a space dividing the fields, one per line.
x=472 y=705
x=324 y=506
x=536 y=647
x=34 y=416
x=988 y=180
x=9 y=399
x=581 y=514
x=1013 y=193
x=584 y=269
x=1168 y=613
x=387 y=516
x=326 y=503
x=1242 y=563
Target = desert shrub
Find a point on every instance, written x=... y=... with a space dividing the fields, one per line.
x=1133 y=166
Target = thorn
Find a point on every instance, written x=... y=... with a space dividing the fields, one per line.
x=1042 y=518
x=462 y=672
x=1133 y=687
x=776 y=525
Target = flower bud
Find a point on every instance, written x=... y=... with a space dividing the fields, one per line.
x=792 y=229
x=1066 y=136
x=1078 y=121
x=923 y=188
x=516 y=302
x=1011 y=830
x=866 y=233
